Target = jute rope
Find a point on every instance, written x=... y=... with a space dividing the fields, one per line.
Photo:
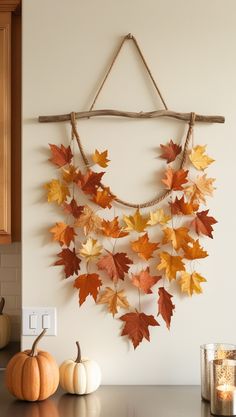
x=157 y=199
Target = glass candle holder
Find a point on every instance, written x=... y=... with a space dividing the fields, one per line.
x=210 y=352
x=223 y=387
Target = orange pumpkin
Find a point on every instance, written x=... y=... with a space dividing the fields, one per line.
x=32 y=375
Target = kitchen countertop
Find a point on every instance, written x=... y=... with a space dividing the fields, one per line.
x=111 y=401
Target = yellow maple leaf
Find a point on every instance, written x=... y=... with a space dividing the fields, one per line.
x=91 y=249
x=113 y=299
x=89 y=221
x=201 y=187
x=69 y=174
x=158 y=216
x=100 y=158
x=178 y=237
x=57 y=191
x=199 y=158
x=171 y=264
x=63 y=233
x=136 y=222
x=190 y=283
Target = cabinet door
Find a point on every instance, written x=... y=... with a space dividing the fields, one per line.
x=5 y=127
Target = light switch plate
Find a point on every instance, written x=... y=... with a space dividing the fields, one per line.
x=39 y=320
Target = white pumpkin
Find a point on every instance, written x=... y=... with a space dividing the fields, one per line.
x=5 y=326
x=81 y=376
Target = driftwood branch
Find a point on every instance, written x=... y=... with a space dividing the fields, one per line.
x=134 y=115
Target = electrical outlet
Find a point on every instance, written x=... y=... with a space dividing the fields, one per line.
x=35 y=319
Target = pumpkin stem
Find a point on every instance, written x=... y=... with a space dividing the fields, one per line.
x=78 y=359
x=2 y=304
x=35 y=344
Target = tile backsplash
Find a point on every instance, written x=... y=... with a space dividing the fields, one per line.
x=10 y=284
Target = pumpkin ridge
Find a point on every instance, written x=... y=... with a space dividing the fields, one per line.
x=16 y=376
x=31 y=373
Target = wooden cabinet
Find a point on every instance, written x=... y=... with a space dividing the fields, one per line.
x=10 y=120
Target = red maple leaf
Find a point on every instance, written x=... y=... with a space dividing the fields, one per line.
x=165 y=305
x=87 y=284
x=73 y=208
x=136 y=326
x=89 y=182
x=179 y=207
x=60 y=156
x=116 y=265
x=144 y=281
x=70 y=262
x=175 y=179
x=202 y=223
x=170 y=151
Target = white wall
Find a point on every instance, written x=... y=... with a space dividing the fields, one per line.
x=190 y=47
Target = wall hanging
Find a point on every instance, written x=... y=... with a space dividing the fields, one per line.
x=91 y=230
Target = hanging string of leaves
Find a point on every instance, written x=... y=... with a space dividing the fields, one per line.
x=173 y=255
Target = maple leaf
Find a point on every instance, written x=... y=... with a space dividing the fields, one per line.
x=116 y=265
x=70 y=262
x=91 y=249
x=180 y=207
x=90 y=181
x=165 y=305
x=199 y=159
x=178 y=237
x=170 y=151
x=73 y=208
x=63 y=233
x=201 y=187
x=57 y=191
x=158 y=217
x=171 y=264
x=190 y=283
x=202 y=223
x=112 y=228
x=100 y=158
x=175 y=179
x=194 y=251
x=87 y=284
x=69 y=174
x=113 y=299
x=60 y=156
x=136 y=326
x=136 y=222
x=143 y=247
x=89 y=221
x=103 y=197
x=144 y=281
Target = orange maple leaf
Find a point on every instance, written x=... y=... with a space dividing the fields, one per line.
x=165 y=305
x=60 y=156
x=70 y=262
x=178 y=237
x=63 y=233
x=203 y=223
x=144 y=281
x=143 y=247
x=100 y=158
x=90 y=181
x=179 y=207
x=136 y=326
x=175 y=179
x=69 y=174
x=171 y=264
x=194 y=251
x=112 y=228
x=103 y=197
x=170 y=151
x=87 y=284
x=116 y=265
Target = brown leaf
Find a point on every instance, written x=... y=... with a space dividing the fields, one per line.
x=165 y=305
x=63 y=233
x=87 y=284
x=202 y=223
x=170 y=151
x=180 y=207
x=136 y=326
x=90 y=181
x=113 y=299
x=116 y=265
x=70 y=262
x=144 y=281
x=60 y=156
x=73 y=208
x=112 y=228
x=143 y=247
x=175 y=179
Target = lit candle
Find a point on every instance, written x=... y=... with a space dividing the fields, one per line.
x=225 y=392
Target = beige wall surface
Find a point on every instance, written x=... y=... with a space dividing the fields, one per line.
x=190 y=47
